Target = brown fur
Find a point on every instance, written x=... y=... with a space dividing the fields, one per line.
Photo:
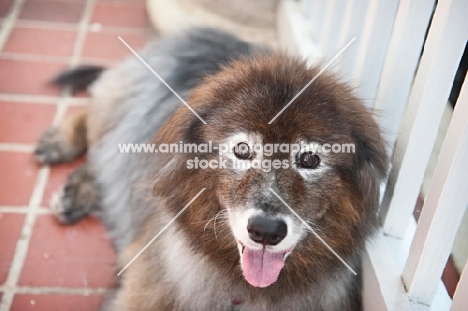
x=65 y=142
x=246 y=95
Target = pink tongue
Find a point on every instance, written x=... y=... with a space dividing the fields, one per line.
x=261 y=267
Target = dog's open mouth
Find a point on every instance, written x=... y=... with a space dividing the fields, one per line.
x=262 y=267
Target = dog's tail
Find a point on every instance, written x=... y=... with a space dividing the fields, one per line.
x=78 y=78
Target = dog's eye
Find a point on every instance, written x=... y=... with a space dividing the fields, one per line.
x=309 y=160
x=242 y=151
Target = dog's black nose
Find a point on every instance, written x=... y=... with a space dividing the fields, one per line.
x=267 y=231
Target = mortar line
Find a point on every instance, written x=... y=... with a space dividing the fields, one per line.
x=13 y=210
x=29 y=57
x=16 y=147
x=51 y=25
x=40 y=99
x=23 y=209
x=48 y=25
x=29 y=99
x=58 y=290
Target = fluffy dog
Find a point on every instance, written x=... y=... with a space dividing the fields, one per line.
x=237 y=246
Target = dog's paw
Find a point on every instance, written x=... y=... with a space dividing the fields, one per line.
x=52 y=148
x=77 y=199
x=65 y=210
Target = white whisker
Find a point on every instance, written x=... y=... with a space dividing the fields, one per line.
x=215 y=217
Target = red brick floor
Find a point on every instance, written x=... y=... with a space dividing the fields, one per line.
x=43 y=265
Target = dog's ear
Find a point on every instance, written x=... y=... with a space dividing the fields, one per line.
x=372 y=162
x=171 y=168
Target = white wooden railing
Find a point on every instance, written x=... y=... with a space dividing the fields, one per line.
x=403 y=63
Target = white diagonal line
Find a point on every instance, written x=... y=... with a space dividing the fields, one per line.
x=164 y=82
x=313 y=231
x=162 y=230
x=314 y=78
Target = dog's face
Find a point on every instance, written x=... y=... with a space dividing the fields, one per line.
x=316 y=167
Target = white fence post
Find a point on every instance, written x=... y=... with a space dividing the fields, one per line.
x=402 y=59
x=317 y=17
x=443 y=210
x=333 y=23
x=382 y=287
x=460 y=299
x=353 y=25
x=376 y=34
x=442 y=52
